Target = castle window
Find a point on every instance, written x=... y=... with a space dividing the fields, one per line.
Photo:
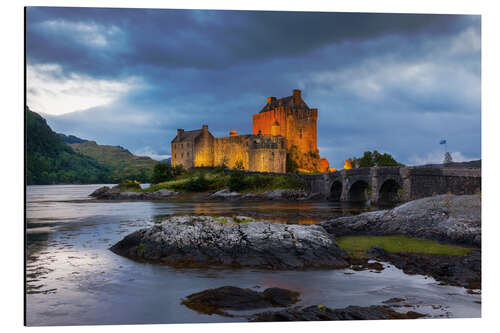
x=182 y=155
x=182 y=145
x=188 y=154
x=300 y=133
x=175 y=155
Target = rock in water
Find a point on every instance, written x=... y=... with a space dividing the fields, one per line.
x=319 y=312
x=100 y=192
x=200 y=241
x=233 y=298
x=449 y=218
x=106 y=193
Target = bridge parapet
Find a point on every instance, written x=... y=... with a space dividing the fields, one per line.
x=393 y=183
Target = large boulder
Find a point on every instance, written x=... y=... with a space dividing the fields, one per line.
x=447 y=218
x=200 y=241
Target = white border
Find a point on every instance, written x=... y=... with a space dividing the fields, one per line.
x=12 y=62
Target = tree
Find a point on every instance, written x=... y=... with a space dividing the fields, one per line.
x=178 y=170
x=374 y=159
x=162 y=172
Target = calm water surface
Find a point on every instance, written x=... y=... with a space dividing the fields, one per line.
x=73 y=279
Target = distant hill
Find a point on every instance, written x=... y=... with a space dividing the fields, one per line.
x=71 y=138
x=56 y=158
x=123 y=164
x=50 y=161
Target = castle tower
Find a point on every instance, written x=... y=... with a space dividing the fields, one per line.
x=291 y=118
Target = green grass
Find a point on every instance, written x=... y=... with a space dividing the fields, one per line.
x=356 y=246
x=217 y=179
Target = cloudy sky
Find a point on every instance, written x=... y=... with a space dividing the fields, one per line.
x=397 y=83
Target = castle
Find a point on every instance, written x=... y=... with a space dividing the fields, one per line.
x=283 y=126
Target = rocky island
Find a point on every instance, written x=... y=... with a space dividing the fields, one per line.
x=200 y=241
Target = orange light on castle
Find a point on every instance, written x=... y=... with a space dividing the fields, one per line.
x=332 y=170
x=347 y=165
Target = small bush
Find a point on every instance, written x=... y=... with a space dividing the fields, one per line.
x=261 y=181
x=237 y=182
x=198 y=184
x=179 y=170
x=130 y=185
x=162 y=172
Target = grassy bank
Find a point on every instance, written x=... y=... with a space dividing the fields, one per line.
x=356 y=246
x=201 y=180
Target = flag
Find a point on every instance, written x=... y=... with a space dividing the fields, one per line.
x=442 y=142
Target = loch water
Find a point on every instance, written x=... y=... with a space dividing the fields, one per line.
x=73 y=279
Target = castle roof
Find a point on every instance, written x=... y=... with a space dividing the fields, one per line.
x=187 y=135
x=288 y=101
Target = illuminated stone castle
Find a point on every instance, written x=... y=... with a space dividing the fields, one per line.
x=282 y=125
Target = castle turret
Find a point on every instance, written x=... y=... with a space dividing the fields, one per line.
x=291 y=118
x=297 y=96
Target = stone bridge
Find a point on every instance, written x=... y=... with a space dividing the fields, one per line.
x=393 y=184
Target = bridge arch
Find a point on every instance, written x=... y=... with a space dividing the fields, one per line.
x=389 y=192
x=358 y=192
x=336 y=191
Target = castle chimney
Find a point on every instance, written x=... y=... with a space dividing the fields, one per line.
x=296 y=95
x=179 y=133
x=271 y=100
x=204 y=128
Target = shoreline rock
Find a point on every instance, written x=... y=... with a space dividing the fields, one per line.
x=219 y=300
x=203 y=241
x=323 y=313
x=288 y=195
x=452 y=270
x=445 y=218
x=216 y=300
x=114 y=193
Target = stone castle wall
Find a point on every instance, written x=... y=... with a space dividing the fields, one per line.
x=265 y=159
x=183 y=153
x=204 y=149
x=298 y=127
x=229 y=150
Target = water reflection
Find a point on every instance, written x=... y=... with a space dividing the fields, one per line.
x=73 y=279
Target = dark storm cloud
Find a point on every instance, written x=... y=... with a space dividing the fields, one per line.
x=391 y=82
x=206 y=39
